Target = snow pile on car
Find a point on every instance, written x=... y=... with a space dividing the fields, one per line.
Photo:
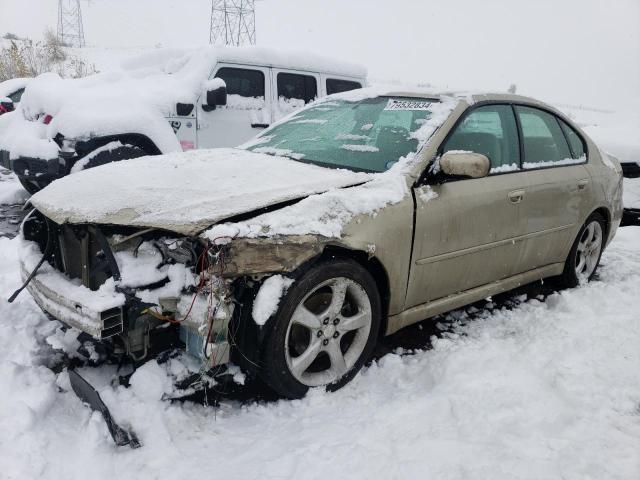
x=185 y=192
x=136 y=96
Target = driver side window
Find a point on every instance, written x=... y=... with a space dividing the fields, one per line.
x=490 y=130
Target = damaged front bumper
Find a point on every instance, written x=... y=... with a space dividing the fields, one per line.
x=114 y=314
x=100 y=324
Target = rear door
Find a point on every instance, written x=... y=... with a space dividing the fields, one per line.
x=248 y=109
x=465 y=228
x=558 y=185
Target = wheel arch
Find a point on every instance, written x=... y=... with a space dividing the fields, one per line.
x=137 y=139
x=606 y=214
x=372 y=265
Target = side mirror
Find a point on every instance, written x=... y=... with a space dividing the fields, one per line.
x=465 y=164
x=215 y=94
x=6 y=105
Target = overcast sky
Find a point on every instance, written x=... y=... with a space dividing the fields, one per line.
x=565 y=51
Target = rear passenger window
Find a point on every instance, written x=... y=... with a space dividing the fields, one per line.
x=242 y=81
x=490 y=130
x=544 y=143
x=575 y=142
x=336 y=86
x=301 y=87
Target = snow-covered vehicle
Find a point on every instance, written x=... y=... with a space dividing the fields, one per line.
x=10 y=93
x=358 y=215
x=162 y=102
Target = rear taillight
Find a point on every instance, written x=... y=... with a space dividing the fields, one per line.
x=47 y=119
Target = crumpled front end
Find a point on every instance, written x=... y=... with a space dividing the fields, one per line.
x=138 y=291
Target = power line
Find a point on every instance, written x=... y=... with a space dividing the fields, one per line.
x=233 y=22
x=70 y=29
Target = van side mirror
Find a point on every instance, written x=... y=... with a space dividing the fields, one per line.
x=465 y=164
x=215 y=94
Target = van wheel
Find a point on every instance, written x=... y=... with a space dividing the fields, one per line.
x=92 y=159
x=585 y=254
x=324 y=331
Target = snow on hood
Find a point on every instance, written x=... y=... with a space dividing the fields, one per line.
x=186 y=192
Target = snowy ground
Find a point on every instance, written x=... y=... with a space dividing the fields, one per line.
x=548 y=389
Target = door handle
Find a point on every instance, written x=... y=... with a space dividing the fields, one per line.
x=582 y=184
x=516 y=196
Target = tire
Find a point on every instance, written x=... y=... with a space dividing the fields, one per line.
x=125 y=152
x=333 y=343
x=585 y=254
x=31 y=186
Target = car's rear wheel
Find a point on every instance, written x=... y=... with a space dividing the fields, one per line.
x=586 y=251
x=324 y=331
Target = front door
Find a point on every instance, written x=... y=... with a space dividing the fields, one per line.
x=465 y=229
x=248 y=109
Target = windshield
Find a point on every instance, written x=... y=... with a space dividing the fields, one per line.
x=369 y=135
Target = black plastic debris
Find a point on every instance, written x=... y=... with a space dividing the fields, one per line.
x=90 y=396
x=630 y=216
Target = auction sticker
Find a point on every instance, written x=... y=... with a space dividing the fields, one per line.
x=407 y=104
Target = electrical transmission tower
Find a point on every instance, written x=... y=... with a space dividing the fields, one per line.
x=70 y=29
x=233 y=22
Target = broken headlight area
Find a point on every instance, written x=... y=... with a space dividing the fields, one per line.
x=142 y=291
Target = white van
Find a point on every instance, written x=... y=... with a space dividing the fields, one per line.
x=164 y=101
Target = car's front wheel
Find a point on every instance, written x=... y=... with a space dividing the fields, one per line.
x=324 y=331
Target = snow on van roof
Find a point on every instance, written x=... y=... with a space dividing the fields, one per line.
x=172 y=60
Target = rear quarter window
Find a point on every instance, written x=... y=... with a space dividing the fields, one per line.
x=575 y=141
x=335 y=85
x=544 y=142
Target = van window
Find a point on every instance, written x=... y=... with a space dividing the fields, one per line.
x=242 y=81
x=335 y=85
x=301 y=87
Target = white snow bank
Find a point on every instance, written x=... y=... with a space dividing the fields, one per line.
x=150 y=382
x=11 y=192
x=268 y=298
x=545 y=390
x=631 y=193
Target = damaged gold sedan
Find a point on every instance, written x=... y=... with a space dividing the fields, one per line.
x=356 y=216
